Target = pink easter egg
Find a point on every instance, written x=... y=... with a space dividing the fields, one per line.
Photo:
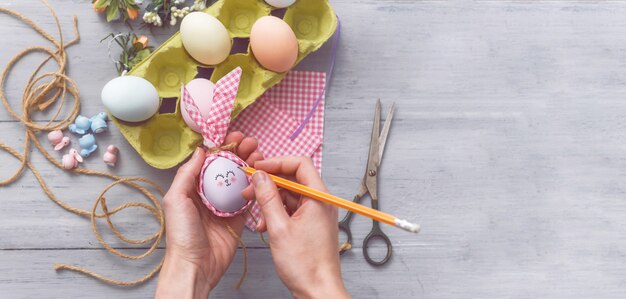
x=222 y=184
x=201 y=90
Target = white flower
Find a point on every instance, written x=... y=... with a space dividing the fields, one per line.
x=198 y=5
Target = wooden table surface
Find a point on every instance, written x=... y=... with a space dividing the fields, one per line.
x=506 y=148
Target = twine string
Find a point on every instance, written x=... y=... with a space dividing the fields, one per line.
x=39 y=95
x=40 y=92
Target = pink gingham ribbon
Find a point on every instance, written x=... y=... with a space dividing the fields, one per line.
x=215 y=126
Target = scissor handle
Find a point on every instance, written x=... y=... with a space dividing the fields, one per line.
x=344 y=225
x=376 y=233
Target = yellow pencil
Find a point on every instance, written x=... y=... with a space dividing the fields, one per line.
x=340 y=202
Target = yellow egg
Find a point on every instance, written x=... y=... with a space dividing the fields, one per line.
x=274 y=44
x=205 y=38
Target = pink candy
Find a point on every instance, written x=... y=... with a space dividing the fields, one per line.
x=57 y=139
x=71 y=160
x=110 y=157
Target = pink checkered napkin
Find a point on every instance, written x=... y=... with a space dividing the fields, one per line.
x=295 y=95
x=273 y=117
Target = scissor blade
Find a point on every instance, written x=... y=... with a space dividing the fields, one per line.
x=374 y=156
x=373 y=159
x=383 y=135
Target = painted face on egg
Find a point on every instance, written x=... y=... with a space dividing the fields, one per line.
x=222 y=184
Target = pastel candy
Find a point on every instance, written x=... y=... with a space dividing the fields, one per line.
x=80 y=126
x=87 y=144
x=99 y=122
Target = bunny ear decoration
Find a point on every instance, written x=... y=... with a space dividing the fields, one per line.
x=215 y=126
x=74 y=153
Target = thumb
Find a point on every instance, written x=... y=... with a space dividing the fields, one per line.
x=271 y=203
x=184 y=181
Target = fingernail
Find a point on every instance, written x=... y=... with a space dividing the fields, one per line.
x=259 y=178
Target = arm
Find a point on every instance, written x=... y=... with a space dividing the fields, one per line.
x=181 y=279
x=199 y=248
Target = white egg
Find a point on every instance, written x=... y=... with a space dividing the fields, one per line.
x=130 y=98
x=222 y=184
x=205 y=38
x=280 y=3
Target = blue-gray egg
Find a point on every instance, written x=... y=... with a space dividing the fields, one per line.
x=130 y=98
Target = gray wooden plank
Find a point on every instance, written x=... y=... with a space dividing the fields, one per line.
x=507 y=148
x=408 y=275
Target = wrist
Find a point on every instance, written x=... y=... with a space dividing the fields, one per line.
x=180 y=278
x=325 y=285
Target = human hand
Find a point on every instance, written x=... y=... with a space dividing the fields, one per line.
x=199 y=246
x=303 y=231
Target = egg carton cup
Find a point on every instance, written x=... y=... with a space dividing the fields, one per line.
x=164 y=140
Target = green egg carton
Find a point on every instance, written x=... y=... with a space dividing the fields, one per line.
x=164 y=140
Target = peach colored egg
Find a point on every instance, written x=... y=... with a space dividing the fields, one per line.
x=274 y=44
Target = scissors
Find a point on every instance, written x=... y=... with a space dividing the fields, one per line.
x=369 y=185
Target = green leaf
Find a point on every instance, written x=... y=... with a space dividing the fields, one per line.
x=102 y=3
x=131 y=4
x=113 y=11
x=140 y=56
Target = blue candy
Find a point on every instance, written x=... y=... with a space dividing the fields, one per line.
x=81 y=125
x=99 y=122
x=87 y=144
